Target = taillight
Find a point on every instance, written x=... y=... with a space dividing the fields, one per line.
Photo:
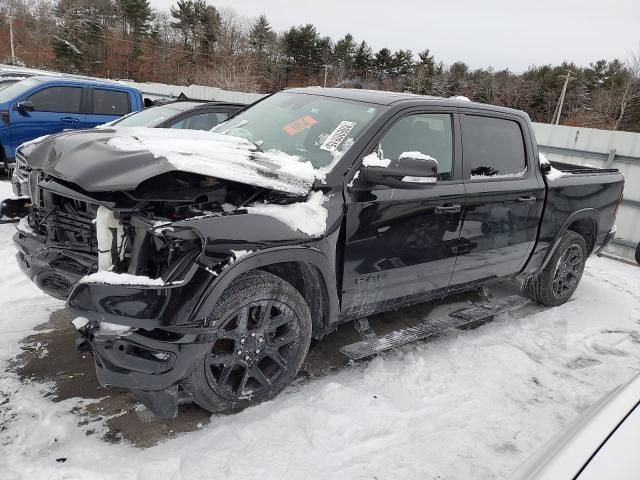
x=4 y=116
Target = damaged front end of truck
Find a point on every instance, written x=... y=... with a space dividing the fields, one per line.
x=135 y=246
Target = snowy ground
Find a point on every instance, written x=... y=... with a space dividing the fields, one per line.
x=468 y=406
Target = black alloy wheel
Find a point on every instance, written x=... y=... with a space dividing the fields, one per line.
x=557 y=281
x=255 y=347
x=262 y=332
x=568 y=271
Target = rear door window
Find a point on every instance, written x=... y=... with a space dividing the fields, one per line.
x=492 y=148
x=110 y=102
x=57 y=99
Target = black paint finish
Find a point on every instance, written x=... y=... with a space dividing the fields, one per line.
x=383 y=247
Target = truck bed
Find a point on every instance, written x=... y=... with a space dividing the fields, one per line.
x=581 y=169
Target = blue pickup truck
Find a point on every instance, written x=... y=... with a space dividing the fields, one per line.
x=42 y=105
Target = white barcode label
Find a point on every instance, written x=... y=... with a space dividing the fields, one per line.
x=337 y=136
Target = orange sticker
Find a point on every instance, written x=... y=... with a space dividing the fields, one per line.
x=299 y=125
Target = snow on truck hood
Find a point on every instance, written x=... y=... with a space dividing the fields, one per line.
x=122 y=158
x=220 y=156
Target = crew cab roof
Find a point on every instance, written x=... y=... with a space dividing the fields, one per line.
x=381 y=97
x=81 y=81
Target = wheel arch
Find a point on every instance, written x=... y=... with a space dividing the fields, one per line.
x=307 y=269
x=584 y=222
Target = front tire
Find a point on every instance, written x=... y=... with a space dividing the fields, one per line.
x=263 y=332
x=555 y=284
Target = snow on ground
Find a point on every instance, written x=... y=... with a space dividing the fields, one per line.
x=470 y=405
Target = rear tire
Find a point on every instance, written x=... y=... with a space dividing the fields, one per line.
x=262 y=338
x=555 y=284
x=638 y=254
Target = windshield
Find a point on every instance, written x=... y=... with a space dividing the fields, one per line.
x=16 y=89
x=5 y=84
x=318 y=129
x=149 y=117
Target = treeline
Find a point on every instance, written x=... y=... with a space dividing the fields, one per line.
x=196 y=42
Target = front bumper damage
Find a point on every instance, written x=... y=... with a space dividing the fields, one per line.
x=149 y=363
x=162 y=345
x=156 y=342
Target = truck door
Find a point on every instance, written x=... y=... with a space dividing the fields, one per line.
x=505 y=198
x=403 y=242
x=55 y=108
x=105 y=105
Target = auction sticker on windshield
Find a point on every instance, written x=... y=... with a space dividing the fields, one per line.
x=299 y=125
x=336 y=137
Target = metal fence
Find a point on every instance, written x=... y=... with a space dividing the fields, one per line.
x=159 y=90
x=603 y=149
x=581 y=146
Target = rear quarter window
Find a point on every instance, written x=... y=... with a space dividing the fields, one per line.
x=110 y=102
x=492 y=148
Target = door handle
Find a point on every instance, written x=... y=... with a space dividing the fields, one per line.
x=448 y=208
x=524 y=200
x=69 y=120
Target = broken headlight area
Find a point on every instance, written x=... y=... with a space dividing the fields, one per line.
x=123 y=239
x=146 y=237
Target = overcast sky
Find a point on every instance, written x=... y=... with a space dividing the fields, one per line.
x=500 y=33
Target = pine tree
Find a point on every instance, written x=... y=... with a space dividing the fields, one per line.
x=425 y=71
x=343 y=52
x=199 y=25
x=383 y=62
x=136 y=17
x=362 y=59
x=260 y=35
x=209 y=22
x=78 y=42
x=304 y=48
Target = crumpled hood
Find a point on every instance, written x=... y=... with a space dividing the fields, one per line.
x=110 y=159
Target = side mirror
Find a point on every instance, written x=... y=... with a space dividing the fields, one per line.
x=25 y=106
x=412 y=170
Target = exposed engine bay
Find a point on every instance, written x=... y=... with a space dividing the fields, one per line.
x=127 y=232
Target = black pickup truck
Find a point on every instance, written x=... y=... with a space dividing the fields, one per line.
x=206 y=262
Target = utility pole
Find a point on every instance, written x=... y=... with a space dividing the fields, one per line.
x=326 y=71
x=558 y=112
x=13 y=52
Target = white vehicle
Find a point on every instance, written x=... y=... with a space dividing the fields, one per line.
x=602 y=443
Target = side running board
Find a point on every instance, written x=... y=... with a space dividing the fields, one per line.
x=463 y=319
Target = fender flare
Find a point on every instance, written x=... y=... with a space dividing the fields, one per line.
x=584 y=214
x=273 y=256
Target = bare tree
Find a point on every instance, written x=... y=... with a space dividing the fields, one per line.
x=631 y=89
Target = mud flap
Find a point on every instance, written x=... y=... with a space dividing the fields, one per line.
x=162 y=403
x=463 y=319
